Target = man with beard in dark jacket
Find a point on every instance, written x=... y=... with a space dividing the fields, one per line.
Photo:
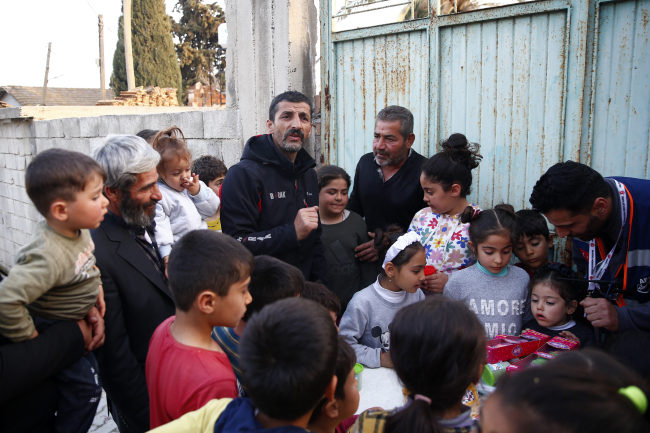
x=270 y=197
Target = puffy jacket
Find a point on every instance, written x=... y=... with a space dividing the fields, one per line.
x=260 y=198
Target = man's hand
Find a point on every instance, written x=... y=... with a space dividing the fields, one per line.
x=101 y=304
x=385 y=361
x=306 y=221
x=192 y=185
x=435 y=283
x=96 y=321
x=601 y=313
x=367 y=252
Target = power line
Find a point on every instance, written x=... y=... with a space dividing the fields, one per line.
x=95 y=12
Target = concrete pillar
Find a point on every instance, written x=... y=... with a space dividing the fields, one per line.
x=271 y=49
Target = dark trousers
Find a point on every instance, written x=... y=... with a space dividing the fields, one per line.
x=80 y=392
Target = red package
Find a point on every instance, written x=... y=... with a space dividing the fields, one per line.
x=429 y=270
x=505 y=347
x=547 y=352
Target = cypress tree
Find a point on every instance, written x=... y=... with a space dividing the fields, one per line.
x=154 y=58
x=198 y=40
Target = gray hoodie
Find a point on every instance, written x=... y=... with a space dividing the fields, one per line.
x=499 y=302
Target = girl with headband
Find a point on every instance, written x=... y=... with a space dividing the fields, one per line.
x=446 y=180
x=494 y=290
x=366 y=322
x=578 y=392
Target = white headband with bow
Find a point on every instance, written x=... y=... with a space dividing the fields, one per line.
x=399 y=245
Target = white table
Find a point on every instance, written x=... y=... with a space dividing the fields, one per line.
x=380 y=387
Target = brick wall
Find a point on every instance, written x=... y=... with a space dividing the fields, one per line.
x=214 y=132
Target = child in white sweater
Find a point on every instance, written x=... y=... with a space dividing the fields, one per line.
x=186 y=199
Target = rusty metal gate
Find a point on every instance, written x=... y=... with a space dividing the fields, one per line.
x=534 y=83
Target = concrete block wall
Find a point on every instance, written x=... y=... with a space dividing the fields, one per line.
x=208 y=132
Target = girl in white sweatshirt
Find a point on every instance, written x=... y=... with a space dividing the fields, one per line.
x=186 y=199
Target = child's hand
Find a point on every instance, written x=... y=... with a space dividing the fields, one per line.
x=192 y=185
x=435 y=283
x=569 y=336
x=101 y=304
x=34 y=335
x=385 y=361
x=96 y=321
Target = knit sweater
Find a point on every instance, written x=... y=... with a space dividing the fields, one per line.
x=499 y=302
x=365 y=324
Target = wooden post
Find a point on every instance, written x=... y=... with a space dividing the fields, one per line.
x=128 y=50
x=47 y=70
x=102 y=77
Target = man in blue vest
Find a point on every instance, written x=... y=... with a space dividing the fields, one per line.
x=609 y=221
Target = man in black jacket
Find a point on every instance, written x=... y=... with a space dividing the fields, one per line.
x=137 y=295
x=387 y=180
x=270 y=198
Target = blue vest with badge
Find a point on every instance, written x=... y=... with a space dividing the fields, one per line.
x=635 y=273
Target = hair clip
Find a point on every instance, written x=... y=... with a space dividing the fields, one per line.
x=422 y=397
x=636 y=396
x=476 y=212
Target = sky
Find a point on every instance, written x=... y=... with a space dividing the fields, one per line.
x=71 y=26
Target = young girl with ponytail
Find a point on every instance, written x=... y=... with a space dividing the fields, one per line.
x=367 y=320
x=494 y=290
x=578 y=392
x=438 y=350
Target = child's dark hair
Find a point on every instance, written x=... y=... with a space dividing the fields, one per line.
x=437 y=347
x=578 y=392
x=147 y=135
x=208 y=168
x=319 y=293
x=531 y=223
x=170 y=144
x=272 y=280
x=454 y=164
x=569 y=185
x=344 y=364
x=328 y=173
x=288 y=357
x=206 y=260
x=484 y=223
x=384 y=240
x=552 y=275
x=59 y=174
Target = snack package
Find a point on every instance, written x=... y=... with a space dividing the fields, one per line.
x=506 y=347
x=471 y=399
x=550 y=350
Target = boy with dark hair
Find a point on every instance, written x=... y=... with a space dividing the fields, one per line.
x=319 y=293
x=288 y=357
x=212 y=172
x=55 y=276
x=534 y=242
x=209 y=275
x=271 y=280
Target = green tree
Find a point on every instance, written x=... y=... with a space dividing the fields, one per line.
x=198 y=42
x=154 y=58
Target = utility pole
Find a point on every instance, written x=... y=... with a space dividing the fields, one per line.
x=101 y=57
x=128 y=50
x=47 y=70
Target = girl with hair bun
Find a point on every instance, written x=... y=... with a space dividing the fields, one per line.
x=577 y=392
x=366 y=323
x=446 y=180
x=493 y=289
x=438 y=350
